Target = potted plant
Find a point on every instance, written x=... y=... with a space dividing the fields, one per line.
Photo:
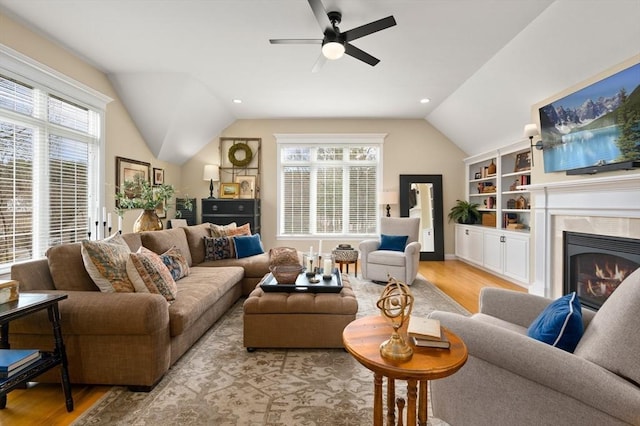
x=464 y=212
x=139 y=194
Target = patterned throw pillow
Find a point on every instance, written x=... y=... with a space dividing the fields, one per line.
x=149 y=274
x=106 y=263
x=219 y=248
x=240 y=230
x=175 y=262
x=221 y=230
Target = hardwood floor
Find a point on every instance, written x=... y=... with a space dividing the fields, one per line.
x=43 y=404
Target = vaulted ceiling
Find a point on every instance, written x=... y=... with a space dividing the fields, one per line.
x=178 y=64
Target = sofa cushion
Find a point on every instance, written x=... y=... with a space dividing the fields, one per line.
x=195 y=238
x=148 y=273
x=254 y=266
x=560 y=323
x=220 y=230
x=393 y=242
x=248 y=245
x=161 y=241
x=387 y=258
x=219 y=248
x=198 y=293
x=611 y=340
x=175 y=263
x=106 y=263
x=67 y=268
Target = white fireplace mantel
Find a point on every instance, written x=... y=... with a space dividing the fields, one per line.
x=600 y=197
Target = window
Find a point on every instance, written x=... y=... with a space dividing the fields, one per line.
x=327 y=184
x=50 y=146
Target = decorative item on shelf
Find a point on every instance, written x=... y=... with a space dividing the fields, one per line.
x=490 y=202
x=511 y=203
x=489 y=219
x=211 y=173
x=509 y=219
x=242 y=160
x=488 y=189
x=478 y=175
x=395 y=304
x=491 y=168
x=521 y=203
x=514 y=185
x=9 y=291
x=464 y=212
x=523 y=162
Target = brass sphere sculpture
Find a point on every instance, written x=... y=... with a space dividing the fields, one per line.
x=395 y=304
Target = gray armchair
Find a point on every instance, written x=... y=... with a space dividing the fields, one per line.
x=512 y=379
x=377 y=265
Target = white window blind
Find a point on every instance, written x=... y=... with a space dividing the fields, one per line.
x=327 y=184
x=49 y=169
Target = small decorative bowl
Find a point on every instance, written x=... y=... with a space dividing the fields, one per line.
x=286 y=274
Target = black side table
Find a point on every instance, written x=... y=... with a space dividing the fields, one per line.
x=25 y=305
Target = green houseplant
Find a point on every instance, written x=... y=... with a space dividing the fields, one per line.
x=140 y=194
x=464 y=212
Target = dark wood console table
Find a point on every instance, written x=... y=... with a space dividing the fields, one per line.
x=29 y=303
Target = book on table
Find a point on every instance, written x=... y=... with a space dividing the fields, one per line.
x=12 y=360
x=426 y=343
x=424 y=328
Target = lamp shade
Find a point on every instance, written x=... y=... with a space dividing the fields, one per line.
x=388 y=197
x=333 y=50
x=211 y=172
x=531 y=130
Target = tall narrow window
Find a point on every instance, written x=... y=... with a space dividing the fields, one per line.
x=328 y=184
x=49 y=163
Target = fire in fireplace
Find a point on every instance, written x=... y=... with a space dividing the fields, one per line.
x=595 y=265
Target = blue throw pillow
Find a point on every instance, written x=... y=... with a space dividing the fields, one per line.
x=393 y=242
x=248 y=245
x=560 y=324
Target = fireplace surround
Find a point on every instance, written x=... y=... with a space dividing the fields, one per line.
x=594 y=265
x=607 y=206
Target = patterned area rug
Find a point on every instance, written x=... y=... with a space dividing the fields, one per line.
x=218 y=382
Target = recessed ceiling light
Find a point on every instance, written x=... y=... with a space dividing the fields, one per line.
x=425 y=100
x=237 y=101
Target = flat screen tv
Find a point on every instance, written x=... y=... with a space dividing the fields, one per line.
x=598 y=125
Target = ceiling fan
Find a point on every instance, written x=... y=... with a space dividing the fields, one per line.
x=335 y=43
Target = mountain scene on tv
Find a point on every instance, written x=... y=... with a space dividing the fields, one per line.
x=596 y=126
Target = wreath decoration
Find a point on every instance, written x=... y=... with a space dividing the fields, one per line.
x=248 y=154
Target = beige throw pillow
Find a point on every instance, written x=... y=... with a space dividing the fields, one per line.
x=106 y=263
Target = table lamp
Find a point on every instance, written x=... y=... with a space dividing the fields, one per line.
x=212 y=174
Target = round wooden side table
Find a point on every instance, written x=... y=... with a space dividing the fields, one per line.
x=362 y=339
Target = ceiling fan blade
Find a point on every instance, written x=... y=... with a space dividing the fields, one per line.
x=351 y=50
x=321 y=14
x=370 y=28
x=295 y=41
x=319 y=63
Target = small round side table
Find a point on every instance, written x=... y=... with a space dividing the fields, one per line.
x=346 y=257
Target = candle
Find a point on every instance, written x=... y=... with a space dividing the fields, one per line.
x=320 y=248
x=310 y=251
x=104 y=214
x=309 y=264
x=109 y=220
x=97 y=214
x=119 y=223
x=327 y=267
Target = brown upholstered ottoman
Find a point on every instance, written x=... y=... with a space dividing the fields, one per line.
x=298 y=320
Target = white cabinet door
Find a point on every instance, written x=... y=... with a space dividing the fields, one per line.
x=493 y=251
x=469 y=243
x=516 y=257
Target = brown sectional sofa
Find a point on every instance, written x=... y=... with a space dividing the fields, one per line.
x=131 y=339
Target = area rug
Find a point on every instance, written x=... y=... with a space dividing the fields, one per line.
x=217 y=382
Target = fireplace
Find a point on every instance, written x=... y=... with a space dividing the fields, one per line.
x=594 y=265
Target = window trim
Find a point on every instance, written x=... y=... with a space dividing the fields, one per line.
x=323 y=139
x=29 y=71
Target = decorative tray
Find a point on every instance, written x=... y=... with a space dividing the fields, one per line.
x=303 y=284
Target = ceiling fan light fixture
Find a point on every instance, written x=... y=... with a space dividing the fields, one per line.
x=333 y=50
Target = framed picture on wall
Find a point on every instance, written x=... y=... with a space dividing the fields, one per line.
x=158 y=176
x=131 y=170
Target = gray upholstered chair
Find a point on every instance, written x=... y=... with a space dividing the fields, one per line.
x=377 y=264
x=511 y=379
